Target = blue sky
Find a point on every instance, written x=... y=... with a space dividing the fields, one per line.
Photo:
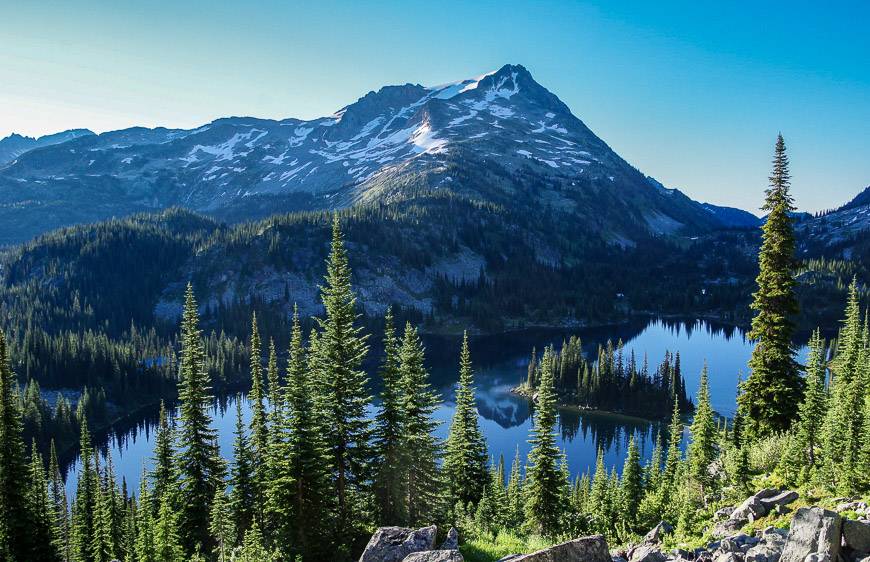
x=692 y=93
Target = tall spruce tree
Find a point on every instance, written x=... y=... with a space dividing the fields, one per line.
x=343 y=384
x=16 y=521
x=221 y=527
x=543 y=486
x=85 y=502
x=770 y=396
x=300 y=491
x=164 y=475
x=201 y=468
x=40 y=508
x=390 y=485
x=243 y=496
x=59 y=505
x=422 y=449
x=259 y=425
x=844 y=422
x=145 y=515
x=811 y=416
x=672 y=462
x=702 y=432
x=631 y=485
x=465 y=459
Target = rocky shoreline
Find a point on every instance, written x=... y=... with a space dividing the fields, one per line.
x=815 y=534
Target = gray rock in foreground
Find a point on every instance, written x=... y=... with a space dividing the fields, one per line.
x=394 y=544
x=587 y=549
x=813 y=530
x=452 y=540
x=856 y=535
x=435 y=556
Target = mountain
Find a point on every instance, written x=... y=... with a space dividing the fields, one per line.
x=841 y=227
x=492 y=137
x=733 y=218
x=15 y=145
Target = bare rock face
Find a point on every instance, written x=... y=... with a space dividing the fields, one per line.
x=813 y=530
x=646 y=552
x=435 y=556
x=856 y=535
x=587 y=549
x=452 y=540
x=394 y=544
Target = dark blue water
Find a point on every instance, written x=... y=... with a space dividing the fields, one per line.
x=500 y=364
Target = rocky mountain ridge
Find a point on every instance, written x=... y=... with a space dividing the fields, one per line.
x=490 y=137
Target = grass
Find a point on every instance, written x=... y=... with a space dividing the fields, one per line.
x=504 y=543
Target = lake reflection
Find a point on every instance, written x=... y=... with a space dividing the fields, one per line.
x=500 y=364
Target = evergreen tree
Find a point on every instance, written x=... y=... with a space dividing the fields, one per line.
x=164 y=475
x=40 y=508
x=243 y=497
x=465 y=458
x=702 y=448
x=340 y=349
x=167 y=543
x=422 y=449
x=300 y=492
x=844 y=422
x=102 y=546
x=808 y=435
x=259 y=426
x=543 y=484
x=221 y=527
x=390 y=484
x=58 y=505
x=514 y=515
x=200 y=466
x=770 y=396
x=16 y=521
x=85 y=503
x=631 y=484
x=672 y=463
x=145 y=545
x=599 y=496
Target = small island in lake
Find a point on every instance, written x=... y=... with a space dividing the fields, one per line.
x=612 y=383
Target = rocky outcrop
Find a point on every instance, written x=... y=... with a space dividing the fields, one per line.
x=813 y=531
x=587 y=549
x=754 y=507
x=394 y=544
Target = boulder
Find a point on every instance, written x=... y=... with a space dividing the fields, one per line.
x=763 y=553
x=856 y=535
x=781 y=499
x=728 y=557
x=394 y=544
x=452 y=540
x=435 y=556
x=813 y=530
x=723 y=513
x=750 y=510
x=587 y=549
x=646 y=552
x=818 y=557
x=656 y=534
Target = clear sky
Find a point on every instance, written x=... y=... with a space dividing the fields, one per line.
x=692 y=93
